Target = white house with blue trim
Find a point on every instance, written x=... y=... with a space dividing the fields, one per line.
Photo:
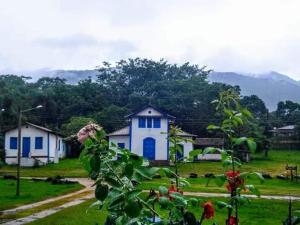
x=38 y=145
x=147 y=134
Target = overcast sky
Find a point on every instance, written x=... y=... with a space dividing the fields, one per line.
x=251 y=36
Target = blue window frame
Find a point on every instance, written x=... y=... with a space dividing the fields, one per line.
x=121 y=145
x=142 y=122
x=38 y=142
x=149 y=122
x=13 y=143
x=156 y=122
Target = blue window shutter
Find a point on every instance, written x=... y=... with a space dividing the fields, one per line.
x=142 y=122
x=38 y=142
x=121 y=145
x=149 y=122
x=13 y=143
x=156 y=122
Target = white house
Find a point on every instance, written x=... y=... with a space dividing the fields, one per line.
x=147 y=134
x=39 y=144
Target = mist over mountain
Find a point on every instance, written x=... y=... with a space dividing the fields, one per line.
x=271 y=87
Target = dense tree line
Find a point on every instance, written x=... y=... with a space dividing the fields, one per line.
x=122 y=88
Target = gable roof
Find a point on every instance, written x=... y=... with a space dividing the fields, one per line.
x=37 y=127
x=121 y=132
x=186 y=134
x=153 y=107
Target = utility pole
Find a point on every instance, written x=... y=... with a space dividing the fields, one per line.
x=19 y=151
x=20 y=112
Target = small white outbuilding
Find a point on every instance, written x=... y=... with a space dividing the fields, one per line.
x=39 y=145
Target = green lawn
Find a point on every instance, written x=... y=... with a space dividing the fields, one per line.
x=269 y=187
x=65 y=168
x=31 y=191
x=266 y=212
x=274 y=165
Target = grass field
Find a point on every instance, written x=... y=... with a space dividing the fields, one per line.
x=266 y=212
x=31 y=191
x=269 y=187
x=65 y=168
x=273 y=165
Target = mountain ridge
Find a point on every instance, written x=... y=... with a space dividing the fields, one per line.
x=271 y=87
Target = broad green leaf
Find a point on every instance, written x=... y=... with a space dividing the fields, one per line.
x=240 y=140
x=163 y=201
x=259 y=176
x=101 y=192
x=163 y=190
x=209 y=150
x=112 y=181
x=132 y=208
x=133 y=194
x=222 y=205
x=238 y=120
x=195 y=152
x=246 y=112
x=147 y=172
x=194 y=201
x=253 y=190
x=179 y=199
x=169 y=173
x=220 y=179
x=95 y=163
x=251 y=145
x=116 y=201
x=128 y=170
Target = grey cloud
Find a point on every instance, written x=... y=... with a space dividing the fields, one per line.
x=73 y=41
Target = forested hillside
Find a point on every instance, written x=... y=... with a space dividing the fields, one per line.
x=181 y=90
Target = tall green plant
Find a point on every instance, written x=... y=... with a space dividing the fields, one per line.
x=234 y=118
x=117 y=172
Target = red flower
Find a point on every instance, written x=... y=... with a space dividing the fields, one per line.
x=172 y=189
x=234 y=180
x=209 y=211
x=233 y=220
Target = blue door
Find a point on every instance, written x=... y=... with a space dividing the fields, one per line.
x=149 y=148
x=26 y=146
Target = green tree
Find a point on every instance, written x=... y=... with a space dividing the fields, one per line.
x=75 y=123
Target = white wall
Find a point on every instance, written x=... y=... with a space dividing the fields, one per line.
x=187 y=147
x=159 y=134
x=27 y=131
x=120 y=139
x=32 y=132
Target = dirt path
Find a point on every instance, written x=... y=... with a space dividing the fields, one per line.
x=83 y=181
x=79 y=197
